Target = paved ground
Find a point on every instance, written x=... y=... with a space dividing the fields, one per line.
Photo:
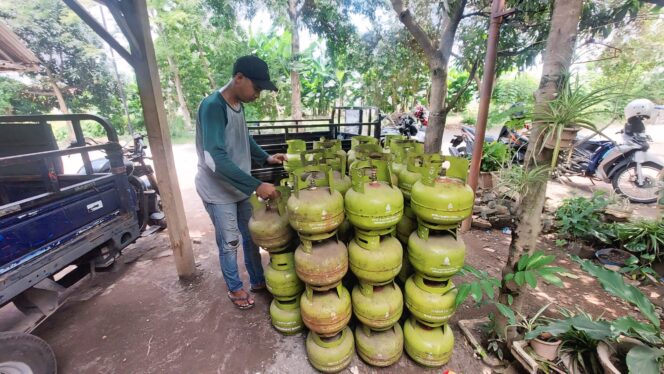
x=139 y=318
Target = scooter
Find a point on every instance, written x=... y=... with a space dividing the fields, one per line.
x=142 y=179
x=630 y=169
x=462 y=145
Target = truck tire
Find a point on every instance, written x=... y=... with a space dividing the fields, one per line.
x=22 y=353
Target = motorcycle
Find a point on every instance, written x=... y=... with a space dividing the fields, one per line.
x=630 y=169
x=141 y=178
x=462 y=145
x=413 y=125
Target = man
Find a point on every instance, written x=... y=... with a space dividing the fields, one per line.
x=225 y=151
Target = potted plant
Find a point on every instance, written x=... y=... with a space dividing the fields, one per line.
x=545 y=345
x=494 y=157
x=572 y=110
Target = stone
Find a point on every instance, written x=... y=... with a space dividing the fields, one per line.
x=502 y=209
x=485 y=212
x=481 y=223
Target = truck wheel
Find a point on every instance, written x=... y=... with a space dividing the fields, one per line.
x=22 y=353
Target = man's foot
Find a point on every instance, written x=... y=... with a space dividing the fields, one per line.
x=241 y=299
x=258 y=287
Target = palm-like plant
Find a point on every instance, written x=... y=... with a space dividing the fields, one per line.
x=574 y=108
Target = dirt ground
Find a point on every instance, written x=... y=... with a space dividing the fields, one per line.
x=140 y=318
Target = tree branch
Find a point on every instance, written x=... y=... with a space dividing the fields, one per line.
x=418 y=33
x=508 y=53
x=457 y=97
x=479 y=13
x=448 y=30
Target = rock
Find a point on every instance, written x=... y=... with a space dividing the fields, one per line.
x=481 y=223
x=478 y=201
x=477 y=209
x=489 y=196
x=502 y=220
x=501 y=209
x=485 y=212
x=488 y=249
x=491 y=204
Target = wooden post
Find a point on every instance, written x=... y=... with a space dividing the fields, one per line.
x=132 y=18
x=485 y=97
x=149 y=87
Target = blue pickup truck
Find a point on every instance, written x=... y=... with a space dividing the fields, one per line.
x=51 y=220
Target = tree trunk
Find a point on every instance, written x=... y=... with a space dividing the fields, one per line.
x=295 y=53
x=71 y=135
x=557 y=60
x=184 y=110
x=434 y=136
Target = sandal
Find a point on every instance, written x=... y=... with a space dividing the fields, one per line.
x=258 y=287
x=235 y=299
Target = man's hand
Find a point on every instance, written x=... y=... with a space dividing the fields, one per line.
x=276 y=159
x=266 y=191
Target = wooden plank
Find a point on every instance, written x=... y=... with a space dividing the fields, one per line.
x=149 y=86
x=99 y=29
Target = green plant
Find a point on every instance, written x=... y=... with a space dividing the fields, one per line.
x=529 y=268
x=494 y=156
x=519 y=180
x=638 y=270
x=647 y=359
x=644 y=237
x=581 y=218
x=574 y=107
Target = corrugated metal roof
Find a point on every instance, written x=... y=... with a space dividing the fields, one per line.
x=14 y=55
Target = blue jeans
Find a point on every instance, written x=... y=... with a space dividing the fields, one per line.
x=231 y=227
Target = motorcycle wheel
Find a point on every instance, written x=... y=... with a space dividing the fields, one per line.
x=624 y=183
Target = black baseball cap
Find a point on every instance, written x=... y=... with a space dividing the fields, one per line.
x=256 y=70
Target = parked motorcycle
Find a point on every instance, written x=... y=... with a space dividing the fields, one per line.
x=413 y=125
x=142 y=179
x=462 y=145
x=628 y=166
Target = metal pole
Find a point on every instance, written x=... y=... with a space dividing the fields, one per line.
x=497 y=7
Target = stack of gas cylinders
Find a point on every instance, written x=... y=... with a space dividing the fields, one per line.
x=440 y=200
x=270 y=229
x=391 y=214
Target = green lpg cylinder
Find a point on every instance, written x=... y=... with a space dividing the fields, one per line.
x=415 y=165
x=443 y=201
x=321 y=264
x=373 y=203
x=285 y=316
x=428 y=346
x=359 y=140
x=269 y=226
x=330 y=145
x=377 y=307
x=338 y=163
x=431 y=302
x=326 y=312
x=332 y=354
x=406 y=269
x=438 y=255
x=406 y=225
x=379 y=348
x=293 y=160
x=314 y=207
x=280 y=277
x=375 y=259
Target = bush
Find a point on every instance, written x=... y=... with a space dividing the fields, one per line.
x=494 y=156
x=580 y=218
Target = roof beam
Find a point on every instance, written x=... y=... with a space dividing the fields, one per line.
x=120 y=18
x=99 y=29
